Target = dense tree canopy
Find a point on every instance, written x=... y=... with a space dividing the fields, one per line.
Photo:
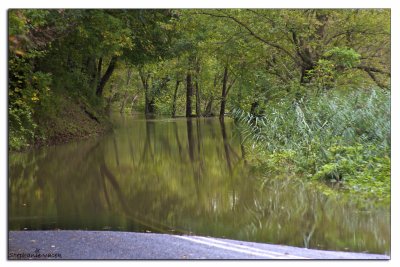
x=247 y=57
x=188 y=62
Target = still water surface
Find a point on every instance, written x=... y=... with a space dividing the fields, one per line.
x=180 y=176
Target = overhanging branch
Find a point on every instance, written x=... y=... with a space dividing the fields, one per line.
x=252 y=33
x=371 y=72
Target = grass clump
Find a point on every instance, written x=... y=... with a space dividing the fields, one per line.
x=336 y=138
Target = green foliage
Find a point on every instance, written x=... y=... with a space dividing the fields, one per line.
x=67 y=53
x=28 y=92
x=362 y=168
x=336 y=136
x=343 y=57
x=330 y=68
x=323 y=74
x=21 y=127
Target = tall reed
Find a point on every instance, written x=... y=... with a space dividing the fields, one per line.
x=338 y=137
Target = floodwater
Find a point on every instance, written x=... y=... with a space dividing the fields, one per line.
x=179 y=176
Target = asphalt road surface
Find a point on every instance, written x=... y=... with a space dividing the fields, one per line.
x=63 y=245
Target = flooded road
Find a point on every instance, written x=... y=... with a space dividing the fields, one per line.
x=184 y=176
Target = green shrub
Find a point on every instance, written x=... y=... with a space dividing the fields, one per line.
x=28 y=93
x=337 y=137
x=21 y=127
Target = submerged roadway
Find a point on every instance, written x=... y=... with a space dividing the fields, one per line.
x=126 y=245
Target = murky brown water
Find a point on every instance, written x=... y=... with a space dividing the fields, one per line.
x=180 y=176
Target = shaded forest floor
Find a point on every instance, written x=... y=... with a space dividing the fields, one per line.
x=73 y=120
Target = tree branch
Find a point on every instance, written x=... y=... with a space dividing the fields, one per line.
x=106 y=76
x=373 y=69
x=364 y=32
x=252 y=33
x=371 y=72
x=297 y=45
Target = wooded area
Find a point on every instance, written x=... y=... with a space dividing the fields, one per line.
x=312 y=86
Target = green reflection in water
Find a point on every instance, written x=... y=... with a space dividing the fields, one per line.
x=180 y=176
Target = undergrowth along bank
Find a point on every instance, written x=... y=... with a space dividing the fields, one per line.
x=340 y=139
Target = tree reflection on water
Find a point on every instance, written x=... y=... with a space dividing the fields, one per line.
x=180 y=176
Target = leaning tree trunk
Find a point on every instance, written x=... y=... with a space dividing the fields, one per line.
x=106 y=76
x=208 y=111
x=99 y=65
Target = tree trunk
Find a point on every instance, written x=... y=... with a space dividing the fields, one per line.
x=147 y=103
x=147 y=108
x=307 y=66
x=303 y=75
x=223 y=94
x=150 y=106
x=198 y=107
x=106 y=76
x=208 y=112
x=253 y=108
x=174 y=98
x=189 y=93
x=146 y=100
x=100 y=63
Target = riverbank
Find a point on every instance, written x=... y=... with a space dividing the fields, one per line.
x=63 y=245
x=73 y=119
